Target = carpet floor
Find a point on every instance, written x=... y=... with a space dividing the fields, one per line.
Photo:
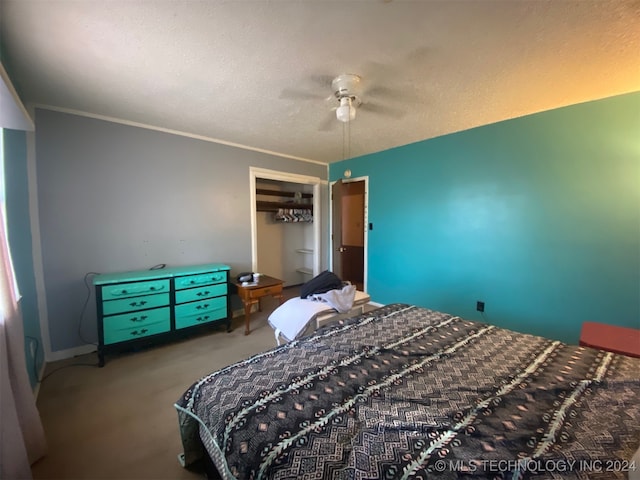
x=118 y=422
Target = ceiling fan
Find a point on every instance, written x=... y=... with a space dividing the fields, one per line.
x=346 y=88
x=350 y=95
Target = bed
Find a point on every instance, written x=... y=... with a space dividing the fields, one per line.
x=407 y=392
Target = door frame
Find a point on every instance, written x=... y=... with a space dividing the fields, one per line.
x=366 y=224
x=263 y=173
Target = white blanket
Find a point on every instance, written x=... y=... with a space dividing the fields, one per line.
x=340 y=299
x=292 y=317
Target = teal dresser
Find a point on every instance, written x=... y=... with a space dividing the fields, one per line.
x=147 y=306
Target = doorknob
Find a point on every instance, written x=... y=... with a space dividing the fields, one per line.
x=342 y=249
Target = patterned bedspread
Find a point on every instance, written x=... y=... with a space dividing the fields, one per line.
x=406 y=392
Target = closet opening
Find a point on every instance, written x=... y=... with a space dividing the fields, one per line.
x=285 y=226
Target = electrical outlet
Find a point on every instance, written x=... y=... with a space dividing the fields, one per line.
x=480 y=306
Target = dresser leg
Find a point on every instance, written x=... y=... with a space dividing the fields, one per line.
x=100 y=358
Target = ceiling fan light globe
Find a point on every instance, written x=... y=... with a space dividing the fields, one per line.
x=342 y=114
x=345 y=112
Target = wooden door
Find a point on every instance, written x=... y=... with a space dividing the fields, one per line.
x=348 y=231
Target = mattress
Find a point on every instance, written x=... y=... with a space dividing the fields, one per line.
x=407 y=392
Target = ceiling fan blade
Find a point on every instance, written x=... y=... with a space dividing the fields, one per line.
x=382 y=110
x=329 y=122
x=386 y=93
x=377 y=91
x=293 y=94
x=323 y=81
x=419 y=56
x=378 y=73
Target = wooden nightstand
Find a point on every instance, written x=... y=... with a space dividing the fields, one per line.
x=251 y=294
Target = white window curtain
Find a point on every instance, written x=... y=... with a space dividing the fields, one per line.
x=22 y=439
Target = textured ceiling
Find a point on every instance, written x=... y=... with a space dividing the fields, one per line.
x=257 y=73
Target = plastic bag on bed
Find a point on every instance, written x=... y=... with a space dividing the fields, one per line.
x=321 y=283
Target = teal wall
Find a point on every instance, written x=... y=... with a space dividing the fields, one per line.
x=19 y=232
x=539 y=217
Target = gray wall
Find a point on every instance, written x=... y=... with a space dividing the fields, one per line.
x=114 y=198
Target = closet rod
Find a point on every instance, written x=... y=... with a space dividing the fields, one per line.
x=276 y=193
x=274 y=206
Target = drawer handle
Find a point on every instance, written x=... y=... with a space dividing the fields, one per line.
x=267 y=291
x=138 y=304
x=124 y=291
x=202 y=294
x=200 y=307
x=214 y=278
x=121 y=292
x=137 y=333
x=202 y=319
x=141 y=319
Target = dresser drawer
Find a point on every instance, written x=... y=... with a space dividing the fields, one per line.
x=201 y=307
x=215 y=311
x=261 y=292
x=191 y=294
x=200 y=279
x=122 y=328
x=126 y=290
x=136 y=303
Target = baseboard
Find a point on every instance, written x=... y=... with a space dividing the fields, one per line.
x=376 y=304
x=71 y=352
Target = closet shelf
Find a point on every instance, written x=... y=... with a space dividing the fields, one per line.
x=304 y=250
x=276 y=193
x=306 y=271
